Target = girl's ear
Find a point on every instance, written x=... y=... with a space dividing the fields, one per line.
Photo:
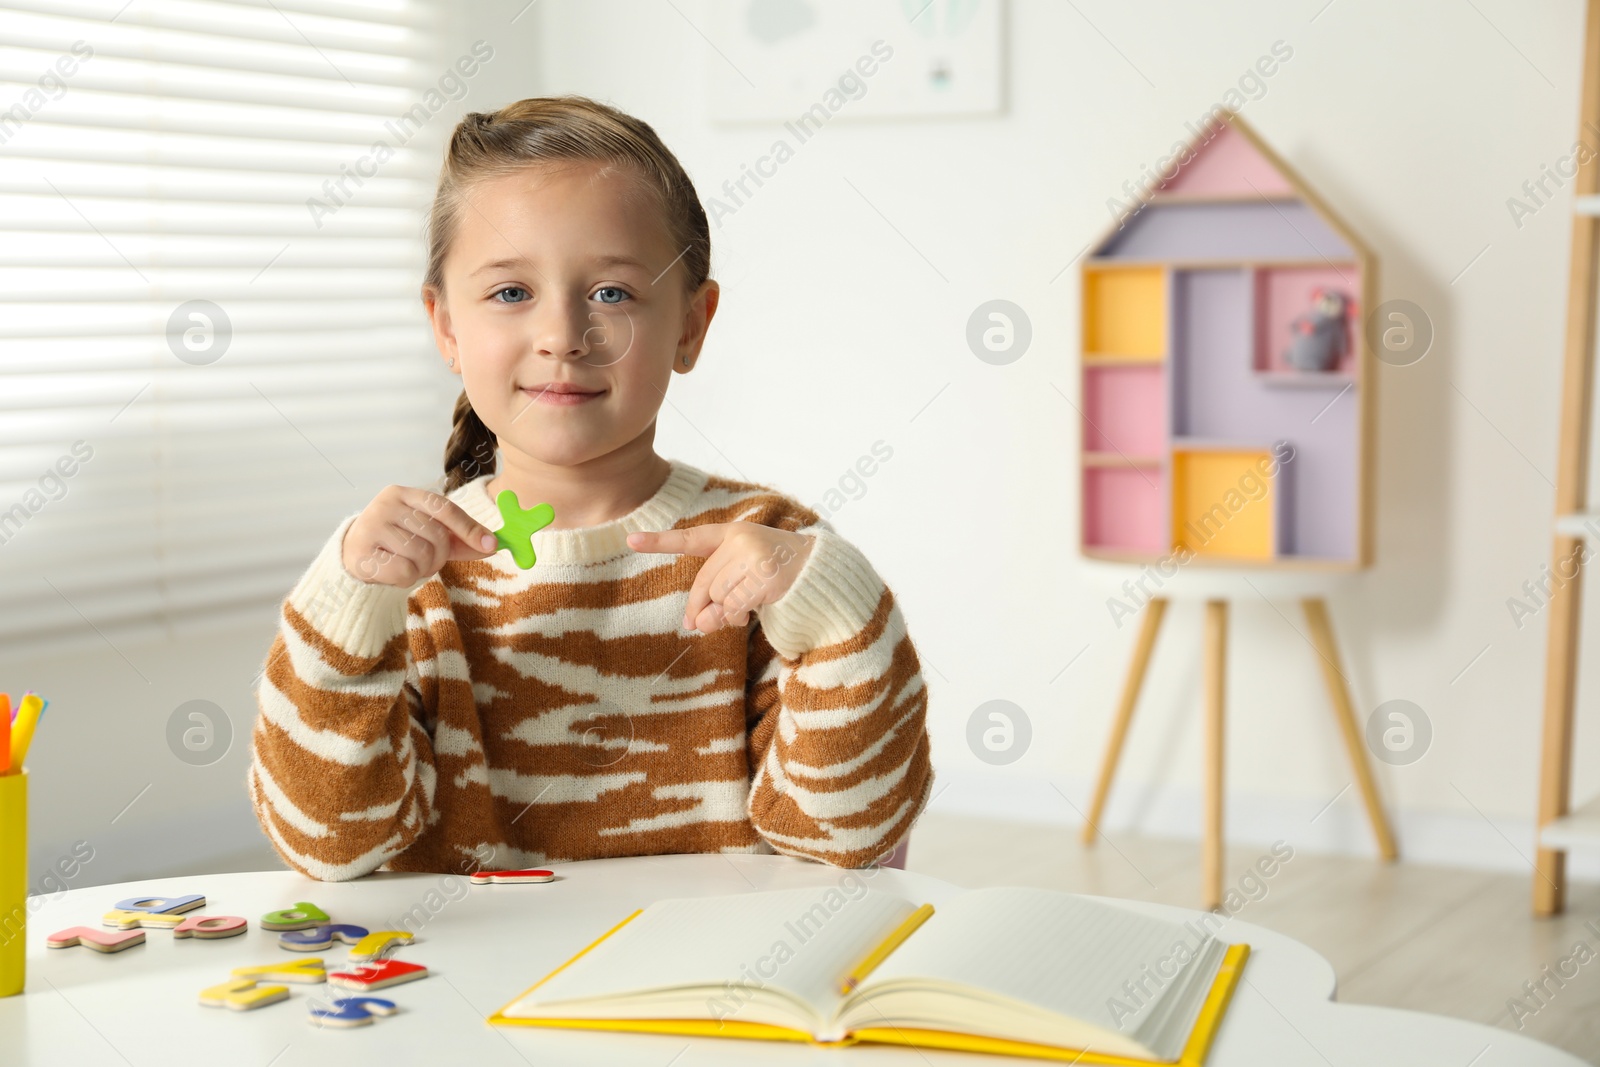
x=444 y=337
x=696 y=321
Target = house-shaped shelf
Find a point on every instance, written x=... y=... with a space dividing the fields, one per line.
x=1225 y=410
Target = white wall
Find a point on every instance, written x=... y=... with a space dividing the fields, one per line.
x=1416 y=121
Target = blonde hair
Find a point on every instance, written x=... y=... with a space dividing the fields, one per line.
x=553 y=129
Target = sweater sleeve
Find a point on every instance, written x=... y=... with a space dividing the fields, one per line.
x=342 y=771
x=837 y=713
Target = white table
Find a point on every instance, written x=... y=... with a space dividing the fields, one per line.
x=139 y=1006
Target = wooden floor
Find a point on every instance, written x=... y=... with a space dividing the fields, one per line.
x=1454 y=942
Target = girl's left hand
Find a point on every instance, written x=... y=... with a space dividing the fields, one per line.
x=748 y=565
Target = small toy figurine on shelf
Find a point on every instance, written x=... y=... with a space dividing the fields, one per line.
x=1319 y=335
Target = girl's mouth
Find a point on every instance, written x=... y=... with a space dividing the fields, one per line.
x=562 y=395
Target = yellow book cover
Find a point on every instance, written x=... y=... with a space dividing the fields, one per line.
x=1019 y=972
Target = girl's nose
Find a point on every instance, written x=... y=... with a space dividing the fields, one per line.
x=560 y=330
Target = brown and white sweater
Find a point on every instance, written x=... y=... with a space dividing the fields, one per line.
x=563 y=713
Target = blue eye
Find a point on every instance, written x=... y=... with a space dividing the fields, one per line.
x=521 y=295
x=611 y=289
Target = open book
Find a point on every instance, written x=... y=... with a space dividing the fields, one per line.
x=1028 y=972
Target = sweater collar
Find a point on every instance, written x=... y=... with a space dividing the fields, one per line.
x=591 y=544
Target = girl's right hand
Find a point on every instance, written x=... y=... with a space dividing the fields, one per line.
x=406 y=535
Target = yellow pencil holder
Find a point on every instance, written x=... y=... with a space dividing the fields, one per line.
x=13 y=882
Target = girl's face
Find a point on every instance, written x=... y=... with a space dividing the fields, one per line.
x=564 y=310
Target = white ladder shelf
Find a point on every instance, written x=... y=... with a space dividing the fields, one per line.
x=1559 y=827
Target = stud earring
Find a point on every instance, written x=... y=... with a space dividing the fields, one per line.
x=452 y=361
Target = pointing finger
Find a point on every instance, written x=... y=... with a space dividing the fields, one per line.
x=695 y=540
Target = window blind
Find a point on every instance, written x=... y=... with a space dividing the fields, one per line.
x=211 y=342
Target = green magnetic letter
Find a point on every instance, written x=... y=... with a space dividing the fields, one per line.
x=516 y=536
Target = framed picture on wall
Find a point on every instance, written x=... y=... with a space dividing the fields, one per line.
x=783 y=60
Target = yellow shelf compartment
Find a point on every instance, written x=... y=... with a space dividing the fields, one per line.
x=1223 y=507
x=1124 y=313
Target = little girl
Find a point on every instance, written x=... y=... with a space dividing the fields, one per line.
x=693 y=664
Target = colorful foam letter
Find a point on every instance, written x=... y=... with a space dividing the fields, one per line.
x=370 y=976
x=242 y=994
x=163 y=905
x=351 y=1011
x=320 y=937
x=379 y=944
x=491 y=877
x=516 y=536
x=127 y=920
x=309 y=971
x=211 y=927
x=99 y=940
x=302 y=915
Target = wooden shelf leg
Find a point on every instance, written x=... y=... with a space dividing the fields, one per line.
x=1344 y=714
x=1216 y=662
x=1144 y=644
x=1555 y=755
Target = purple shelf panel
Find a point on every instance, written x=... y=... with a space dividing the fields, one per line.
x=1226 y=231
x=1215 y=394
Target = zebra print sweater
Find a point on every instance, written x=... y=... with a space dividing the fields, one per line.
x=563 y=713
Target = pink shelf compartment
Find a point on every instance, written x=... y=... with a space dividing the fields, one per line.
x=1282 y=293
x=1125 y=509
x=1125 y=409
x=1228 y=165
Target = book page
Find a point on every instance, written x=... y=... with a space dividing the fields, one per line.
x=1105 y=965
x=803 y=941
